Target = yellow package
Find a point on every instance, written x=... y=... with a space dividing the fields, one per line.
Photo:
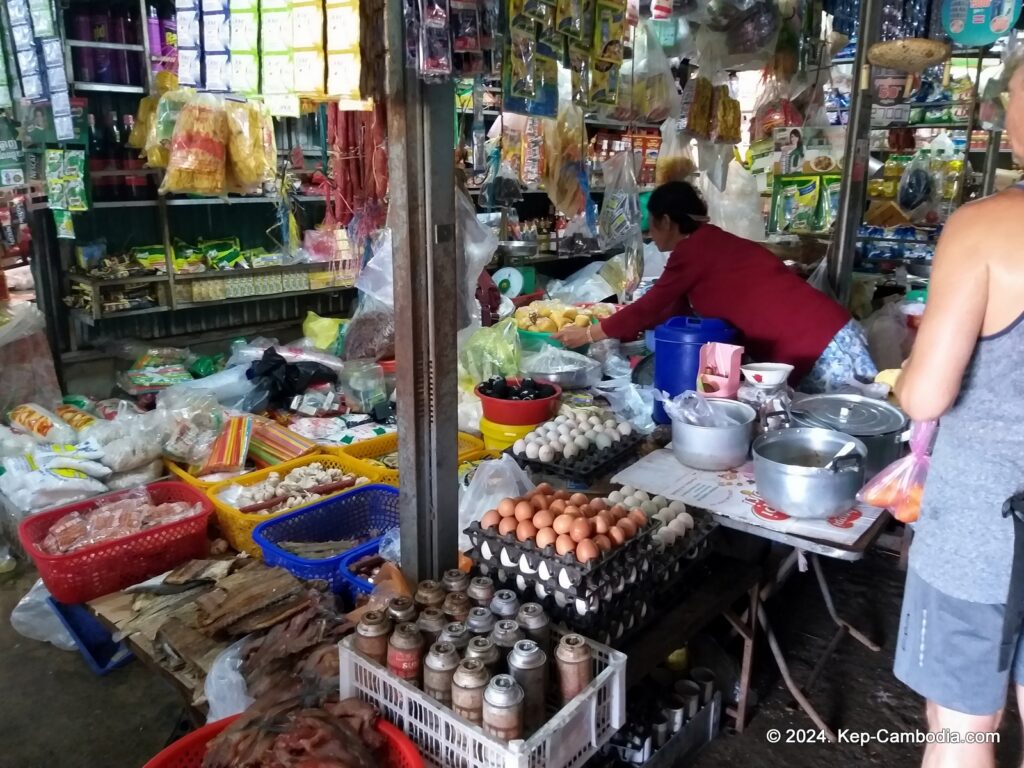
x=698 y=118
x=198 y=160
x=727 y=118
x=247 y=162
x=161 y=127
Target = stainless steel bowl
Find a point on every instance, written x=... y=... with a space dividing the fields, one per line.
x=585 y=376
x=790 y=474
x=715 y=448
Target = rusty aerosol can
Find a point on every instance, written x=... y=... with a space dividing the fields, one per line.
x=438 y=668
x=456 y=606
x=480 y=621
x=372 y=633
x=430 y=623
x=528 y=665
x=405 y=654
x=429 y=594
x=535 y=623
x=503 y=708
x=455 y=580
x=468 y=684
x=506 y=633
x=483 y=648
x=401 y=609
x=505 y=604
x=575 y=666
x=481 y=590
x=455 y=632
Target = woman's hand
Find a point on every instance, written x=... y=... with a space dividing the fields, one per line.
x=573 y=336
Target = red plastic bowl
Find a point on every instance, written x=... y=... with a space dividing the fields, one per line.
x=519 y=413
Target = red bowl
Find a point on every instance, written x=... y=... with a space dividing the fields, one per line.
x=519 y=413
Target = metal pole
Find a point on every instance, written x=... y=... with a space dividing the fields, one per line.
x=988 y=179
x=853 y=186
x=421 y=217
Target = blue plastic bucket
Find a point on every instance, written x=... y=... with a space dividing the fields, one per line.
x=677 y=344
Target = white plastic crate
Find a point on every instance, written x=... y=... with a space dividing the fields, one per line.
x=446 y=740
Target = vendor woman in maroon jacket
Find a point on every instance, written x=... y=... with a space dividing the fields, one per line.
x=711 y=273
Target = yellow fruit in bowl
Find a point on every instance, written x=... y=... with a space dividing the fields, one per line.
x=558 y=318
x=546 y=325
x=523 y=323
x=570 y=313
x=582 y=321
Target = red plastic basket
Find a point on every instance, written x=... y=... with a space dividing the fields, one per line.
x=90 y=572
x=189 y=751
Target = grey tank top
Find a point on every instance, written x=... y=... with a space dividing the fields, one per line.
x=963 y=545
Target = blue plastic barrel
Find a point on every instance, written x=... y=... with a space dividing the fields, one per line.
x=677 y=344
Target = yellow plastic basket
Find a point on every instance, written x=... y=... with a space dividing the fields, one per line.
x=237 y=526
x=360 y=458
x=183 y=474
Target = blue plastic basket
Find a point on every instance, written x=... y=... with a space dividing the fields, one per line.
x=355 y=585
x=94 y=642
x=361 y=513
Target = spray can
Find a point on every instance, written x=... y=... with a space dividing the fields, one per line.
x=575 y=666
x=480 y=621
x=483 y=648
x=455 y=633
x=372 y=636
x=536 y=624
x=455 y=580
x=503 y=708
x=438 y=668
x=528 y=666
x=505 y=604
x=505 y=635
x=429 y=594
x=405 y=654
x=481 y=590
x=430 y=623
x=456 y=606
x=468 y=684
x=401 y=609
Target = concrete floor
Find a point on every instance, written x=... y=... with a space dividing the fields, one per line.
x=57 y=714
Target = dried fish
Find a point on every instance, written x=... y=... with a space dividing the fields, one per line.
x=318 y=550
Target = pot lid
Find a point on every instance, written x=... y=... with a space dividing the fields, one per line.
x=853 y=414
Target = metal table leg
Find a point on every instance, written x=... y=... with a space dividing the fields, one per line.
x=749 y=633
x=843 y=624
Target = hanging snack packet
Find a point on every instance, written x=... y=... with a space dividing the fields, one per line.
x=569 y=18
x=435 y=53
x=698 y=119
x=198 y=160
x=247 y=163
x=161 y=129
x=727 y=118
x=604 y=83
x=465 y=26
x=522 y=63
x=579 y=69
x=609 y=28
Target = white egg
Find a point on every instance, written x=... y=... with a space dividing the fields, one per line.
x=631 y=501
x=642 y=495
x=613 y=434
x=591 y=435
x=628 y=490
x=519 y=447
x=532 y=451
x=546 y=453
x=530 y=437
x=611 y=424
x=687 y=519
x=679 y=526
x=660 y=502
x=564 y=429
x=615 y=497
x=667 y=536
x=677 y=507
x=625 y=428
x=664 y=516
x=581 y=442
x=648 y=508
x=570 y=451
x=595 y=420
x=561 y=419
x=603 y=442
x=574 y=433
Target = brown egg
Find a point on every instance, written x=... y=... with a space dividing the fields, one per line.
x=603 y=542
x=618 y=511
x=507 y=508
x=628 y=527
x=599 y=505
x=607 y=516
x=557 y=506
x=539 y=501
x=543 y=519
x=578 y=499
x=507 y=525
x=524 y=511
x=526 y=530
x=586 y=511
x=562 y=524
x=563 y=544
x=586 y=551
x=572 y=510
x=546 y=537
x=580 y=529
x=544 y=488
x=617 y=535
x=638 y=517
x=490 y=519
x=563 y=495
x=600 y=524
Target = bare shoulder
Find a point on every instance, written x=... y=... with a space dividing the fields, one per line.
x=984 y=227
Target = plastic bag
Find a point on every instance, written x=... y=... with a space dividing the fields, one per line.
x=370 y=334
x=493 y=481
x=478 y=243
x=15 y=444
x=198 y=161
x=493 y=351
x=585 y=286
x=136 y=477
x=675 y=160
x=564 y=174
x=773 y=109
x=19 y=321
x=900 y=486
x=224 y=687
x=193 y=420
x=737 y=208
x=608 y=352
x=658 y=98
x=30 y=490
x=248 y=166
x=889 y=337
x=691 y=408
x=629 y=401
x=391 y=545
x=620 y=212
x=551 y=361
x=714 y=161
x=33 y=617
x=819 y=278
x=323 y=332
x=35 y=420
x=161 y=129
x=919 y=196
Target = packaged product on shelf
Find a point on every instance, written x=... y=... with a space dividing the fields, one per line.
x=579 y=67
x=564 y=172
x=81 y=457
x=147 y=473
x=248 y=165
x=193 y=419
x=771 y=111
x=78 y=420
x=830 y=200
x=161 y=129
x=604 y=82
x=796 y=204
x=197 y=162
x=30 y=488
x=918 y=195
x=569 y=18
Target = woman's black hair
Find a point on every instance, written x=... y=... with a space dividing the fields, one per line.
x=681 y=202
x=796 y=132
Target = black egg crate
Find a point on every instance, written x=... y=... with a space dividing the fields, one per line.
x=564 y=573
x=591 y=465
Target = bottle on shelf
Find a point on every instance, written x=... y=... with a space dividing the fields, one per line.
x=81 y=29
x=103 y=58
x=136 y=186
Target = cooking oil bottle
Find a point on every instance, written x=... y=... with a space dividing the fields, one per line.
x=951 y=184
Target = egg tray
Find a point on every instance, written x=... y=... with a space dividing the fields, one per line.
x=564 y=573
x=592 y=465
x=674 y=564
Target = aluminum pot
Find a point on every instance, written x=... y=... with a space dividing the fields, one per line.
x=880 y=426
x=790 y=474
x=715 y=448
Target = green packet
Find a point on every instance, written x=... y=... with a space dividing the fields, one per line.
x=151 y=257
x=222 y=254
x=796 y=204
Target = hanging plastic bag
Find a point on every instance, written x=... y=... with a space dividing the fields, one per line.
x=714 y=161
x=493 y=481
x=161 y=129
x=225 y=688
x=248 y=166
x=919 y=196
x=34 y=618
x=773 y=109
x=675 y=160
x=370 y=334
x=889 y=338
x=478 y=242
x=900 y=486
x=659 y=98
x=198 y=161
x=737 y=208
x=564 y=174
x=620 y=212
x=488 y=352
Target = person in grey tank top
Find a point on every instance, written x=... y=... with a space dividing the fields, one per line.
x=960 y=638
